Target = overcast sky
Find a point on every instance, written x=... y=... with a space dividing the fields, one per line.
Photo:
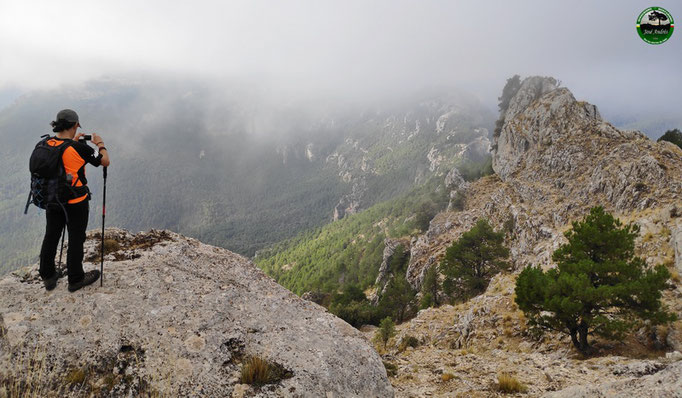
x=359 y=49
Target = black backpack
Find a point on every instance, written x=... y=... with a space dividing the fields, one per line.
x=50 y=184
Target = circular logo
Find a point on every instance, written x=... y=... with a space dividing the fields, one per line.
x=655 y=25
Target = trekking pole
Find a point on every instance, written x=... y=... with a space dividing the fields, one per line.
x=104 y=211
x=62 y=248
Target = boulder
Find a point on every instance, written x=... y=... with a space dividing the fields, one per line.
x=181 y=318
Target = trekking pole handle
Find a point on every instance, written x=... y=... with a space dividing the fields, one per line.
x=105 y=171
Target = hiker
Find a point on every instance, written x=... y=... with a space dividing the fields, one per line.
x=74 y=213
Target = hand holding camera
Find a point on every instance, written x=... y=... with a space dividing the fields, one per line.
x=96 y=139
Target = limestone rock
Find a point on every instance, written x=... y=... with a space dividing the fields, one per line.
x=676 y=239
x=665 y=383
x=180 y=317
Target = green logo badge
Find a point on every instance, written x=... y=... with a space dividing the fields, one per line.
x=655 y=25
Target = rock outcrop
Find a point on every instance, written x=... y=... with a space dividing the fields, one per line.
x=555 y=158
x=385 y=273
x=180 y=318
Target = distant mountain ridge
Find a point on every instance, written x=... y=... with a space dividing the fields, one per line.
x=231 y=167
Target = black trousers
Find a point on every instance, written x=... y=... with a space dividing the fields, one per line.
x=78 y=223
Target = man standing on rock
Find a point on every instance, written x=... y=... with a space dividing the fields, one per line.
x=75 y=215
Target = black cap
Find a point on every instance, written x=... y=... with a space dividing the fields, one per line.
x=69 y=115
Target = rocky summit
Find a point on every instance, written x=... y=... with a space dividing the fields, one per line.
x=176 y=317
x=554 y=158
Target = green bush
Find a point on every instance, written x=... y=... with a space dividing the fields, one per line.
x=599 y=286
x=408 y=341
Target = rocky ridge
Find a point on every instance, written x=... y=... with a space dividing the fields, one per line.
x=428 y=138
x=554 y=158
x=177 y=317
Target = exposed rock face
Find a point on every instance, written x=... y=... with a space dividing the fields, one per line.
x=384 y=272
x=554 y=159
x=407 y=143
x=351 y=202
x=180 y=317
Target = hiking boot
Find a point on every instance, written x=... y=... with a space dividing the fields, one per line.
x=50 y=283
x=88 y=278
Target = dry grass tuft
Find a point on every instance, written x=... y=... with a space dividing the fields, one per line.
x=447 y=377
x=508 y=384
x=111 y=245
x=258 y=371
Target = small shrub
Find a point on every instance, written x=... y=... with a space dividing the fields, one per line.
x=508 y=384
x=408 y=341
x=386 y=330
x=648 y=237
x=447 y=376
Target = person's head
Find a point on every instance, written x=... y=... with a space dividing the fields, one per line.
x=66 y=123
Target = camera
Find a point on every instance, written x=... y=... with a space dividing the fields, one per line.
x=85 y=137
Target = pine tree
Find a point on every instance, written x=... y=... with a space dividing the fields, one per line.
x=471 y=261
x=674 y=136
x=397 y=298
x=508 y=92
x=430 y=287
x=386 y=330
x=598 y=287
